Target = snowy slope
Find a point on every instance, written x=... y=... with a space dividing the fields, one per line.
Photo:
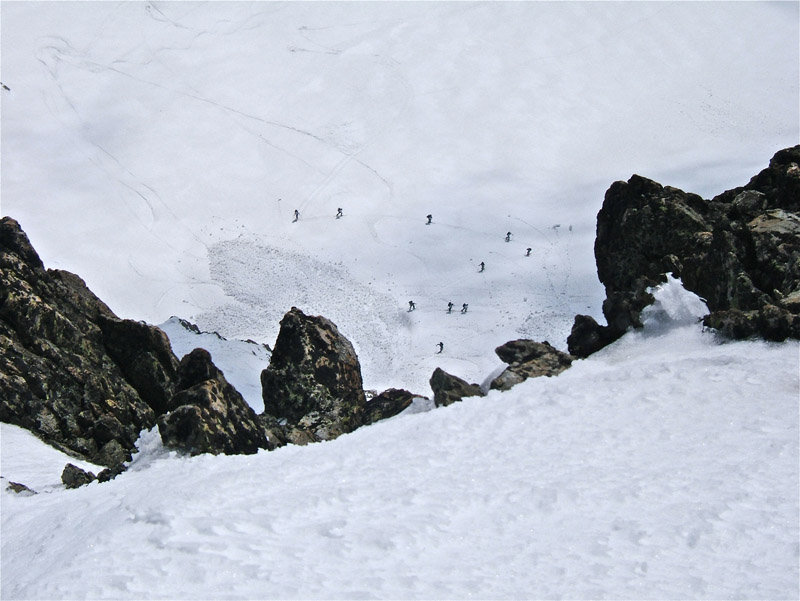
x=159 y=149
x=241 y=361
x=664 y=466
x=175 y=140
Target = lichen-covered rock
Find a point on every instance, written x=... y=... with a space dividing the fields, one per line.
x=74 y=477
x=82 y=379
x=448 y=389
x=739 y=251
x=528 y=359
x=207 y=414
x=313 y=382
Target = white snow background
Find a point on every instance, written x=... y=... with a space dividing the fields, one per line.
x=159 y=150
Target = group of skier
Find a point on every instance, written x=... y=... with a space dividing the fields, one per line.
x=464 y=307
x=339 y=214
x=411 y=304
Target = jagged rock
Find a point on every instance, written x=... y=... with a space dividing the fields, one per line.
x=110 y=473
x=313 y=381
x=449 y=389
x=74 y=477
x=622 y=311
x=20 y=489
x=528 y=359
x=388 y=404
x=145 y=356
x=82 y=379
x=208 y=415
x=769 y=322
x=739 y=251
x=588 y=336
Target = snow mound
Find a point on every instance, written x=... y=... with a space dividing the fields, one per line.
x=674 y=307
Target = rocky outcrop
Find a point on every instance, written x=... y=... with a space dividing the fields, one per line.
x=312 y=388
x=82 y=379
x=20 y=489
x=207 y=414
x=388 y=404
x=528 y=359
x=740 y=251
x=449 y=389
x=75 y=477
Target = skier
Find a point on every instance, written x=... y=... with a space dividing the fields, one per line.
x=296 y=214
x=338 y=213
x=5 y=87
x=441 y=347
x=411 y=305
x=482 y=265
x=449 y=307
x=464 y=307
x=430 y=218
x=528 y=252
x=508 y=237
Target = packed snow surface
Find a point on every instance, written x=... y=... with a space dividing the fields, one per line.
x=664 y=466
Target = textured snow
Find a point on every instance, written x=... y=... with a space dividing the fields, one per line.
x=664 y=466
x=159 y=151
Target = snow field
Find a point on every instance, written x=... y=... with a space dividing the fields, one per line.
x=664 y=466
x=174 y=141
x=158 y=133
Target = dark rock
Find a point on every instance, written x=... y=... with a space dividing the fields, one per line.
x=82 y=379
x=740 y=252
x=110 y=473
x=208 y=415
x=20 y=489
x=388 y=404
x=313 y=381
x=769 y=322
x=74 y=477
x=528 y=359
x=449 y=389
x=587 y=336
x=642 y=228
x=145 y=356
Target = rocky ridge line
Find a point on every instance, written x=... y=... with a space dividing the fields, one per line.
x=88 y=382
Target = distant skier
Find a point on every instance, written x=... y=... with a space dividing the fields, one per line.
x=5 y=87
x=429 y=218
x=482 y=266
x=508 y=237
x=449 y=307
x=528 y=252
x=441 y=347
x=411 y=305
x=296 y=214
x=464 y=307
x=338 y=213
